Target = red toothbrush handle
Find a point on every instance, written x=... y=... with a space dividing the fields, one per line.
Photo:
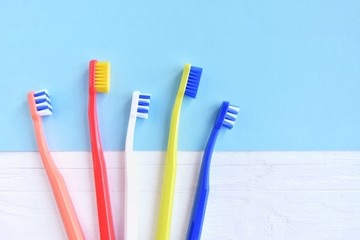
x=106 y=225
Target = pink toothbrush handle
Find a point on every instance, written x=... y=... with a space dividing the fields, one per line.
x=60 y=191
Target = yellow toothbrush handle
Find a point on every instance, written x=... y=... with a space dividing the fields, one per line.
x=168 y=188
x=167 y=198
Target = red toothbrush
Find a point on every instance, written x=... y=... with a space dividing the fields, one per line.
x=99 y=81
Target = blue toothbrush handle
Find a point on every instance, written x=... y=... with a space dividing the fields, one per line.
x=202 y=190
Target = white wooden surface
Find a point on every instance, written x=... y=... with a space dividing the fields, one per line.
x=254 y=195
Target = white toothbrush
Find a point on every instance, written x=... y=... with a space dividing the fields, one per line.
x=139 y=108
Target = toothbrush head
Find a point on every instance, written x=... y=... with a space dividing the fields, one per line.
x=143 y=104
x=227 y=115
x=39 y=103
x=193 y=80
x=99 y=76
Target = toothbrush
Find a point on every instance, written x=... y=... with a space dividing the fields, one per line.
x=40 y=105
x=99 y=81
x=188 y=86
x=226 y=118
x=139 y=109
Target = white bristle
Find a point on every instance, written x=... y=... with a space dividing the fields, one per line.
x=236 y=109
x=42 y=103
x=142 y=115
x=230 y=116
x=147 y=99
x=229 y=121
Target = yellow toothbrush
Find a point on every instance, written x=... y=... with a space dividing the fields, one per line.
x=188 y=86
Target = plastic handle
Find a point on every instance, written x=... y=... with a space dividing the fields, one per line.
x=60 y=191
x=130 y=201
x=202 y=190
x=106 y=225
x=168 y=188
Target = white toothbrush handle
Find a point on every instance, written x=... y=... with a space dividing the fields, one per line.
x=130 y=229
x=130 y=203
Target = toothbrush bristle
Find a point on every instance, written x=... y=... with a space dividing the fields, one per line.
x=230 y=116
x=143 y=106
x=102 y=77
x=42 y=103
x=193 y=81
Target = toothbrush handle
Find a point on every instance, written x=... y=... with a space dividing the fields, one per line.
x=106 y=225
x=168 y=187
x=202 y=191
x=130 y=199
x=167 y=197
x=60 y=191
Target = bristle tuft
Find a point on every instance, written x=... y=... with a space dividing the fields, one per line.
x=193 y=82
x=102 y=77
x=230 y=116
x=42 y=103
x=143 y=106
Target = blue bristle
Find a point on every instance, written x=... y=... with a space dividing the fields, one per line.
x=228 y=125
x=42 y=103
x=144 y=96
x=41 y=100
x=193 y=82
x=143 y=103
x=231 y=118
x=40 y=93
x=142 y=110
x=40 y=108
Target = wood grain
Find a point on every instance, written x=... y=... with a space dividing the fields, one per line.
x=254 y=195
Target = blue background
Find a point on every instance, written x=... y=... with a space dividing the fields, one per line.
x=293 y=67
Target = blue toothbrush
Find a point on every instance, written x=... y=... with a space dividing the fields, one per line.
x=226 y=118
